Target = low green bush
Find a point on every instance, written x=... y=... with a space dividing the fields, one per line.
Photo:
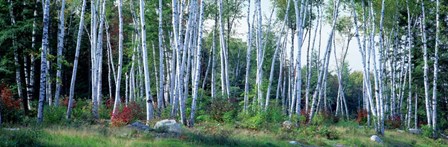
x=427 y=131
x=55 y=115
x=26 y=137
x=270 y=120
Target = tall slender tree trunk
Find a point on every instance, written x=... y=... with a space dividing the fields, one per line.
x=324 y=68
x=409 y=44
x=43 y=68
x=425 y=67
x=120 y=58
x=309 y=58
x=436 y=70
x=198 y=64
x=149 y=100
x=61 y=35
x=415 y=112
x=224 y=75
x=213 y=79
x=278 y=44
x=19 y=64
x=98 y=63
x=161 y=62
x=248 y=54
x=16 y=54
x=176 y=53
x=93 y=58
x=300 y=18
x=32 y=58
x=75 y=64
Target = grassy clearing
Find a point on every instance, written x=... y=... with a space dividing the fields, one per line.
x=207 y=134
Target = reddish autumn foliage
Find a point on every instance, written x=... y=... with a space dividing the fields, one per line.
x=65 y=102
x=305 y=114
x=110 y=103
x=7 y=99
x=393 y=122
x=362 y=116
x=9 y=107
x=129 y=113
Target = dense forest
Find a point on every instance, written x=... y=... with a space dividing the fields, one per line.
x=260 y=65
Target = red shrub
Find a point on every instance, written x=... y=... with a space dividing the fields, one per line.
x=129 y=113
x=65 y=102
x=393 y=122
x=110 y=103
x=305 y=114
x=6 y=99
x=362 y=116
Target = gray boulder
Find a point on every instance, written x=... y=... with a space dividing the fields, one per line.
x=287 y=125
x=293 y=142
x=168 y=125
x=139 y=126
x=415 y=131
x=376 y=139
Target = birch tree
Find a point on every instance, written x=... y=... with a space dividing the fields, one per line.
x=149 y=100
x=409 y=44
x=223 y=53
x=425 y=67
x=120 y=58
x=278 y=44
x=161 y=62
x=324 y=68
x=16 y=54
x=61 y=35
x=248 y=54
x=198 y=63
x=75 y=64
x=436 y=68
x=259 y=52
x=43 y=57
x=98 y=63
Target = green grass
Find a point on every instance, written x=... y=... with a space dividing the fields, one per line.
x=206 y=134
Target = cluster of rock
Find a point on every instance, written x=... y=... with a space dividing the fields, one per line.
x=166 y=125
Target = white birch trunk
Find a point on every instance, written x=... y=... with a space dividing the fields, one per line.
x=248 y=54
x=126 y=95
x=149 y=100
x=120 y=59
x=61 y=35
x=161 y=63
x=322 y=75
x=436 y=70
x=99 y=59
x=213 y=79
x=43 y=68
x=75 y=64
x=425 y=67
x=198 y=64
x=224 y=75
x=176 y=52
x=16 y=54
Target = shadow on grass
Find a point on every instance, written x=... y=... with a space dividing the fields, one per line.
x=222 y=140
x=22 y=137
x=393 y=141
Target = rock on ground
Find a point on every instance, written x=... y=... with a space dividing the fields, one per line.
x=376 y=139
x=139 y=126
x=293 y=142
x=287 y=125
x=169 y=125
x=415 y=131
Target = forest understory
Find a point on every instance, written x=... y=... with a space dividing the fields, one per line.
x=223 y=73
